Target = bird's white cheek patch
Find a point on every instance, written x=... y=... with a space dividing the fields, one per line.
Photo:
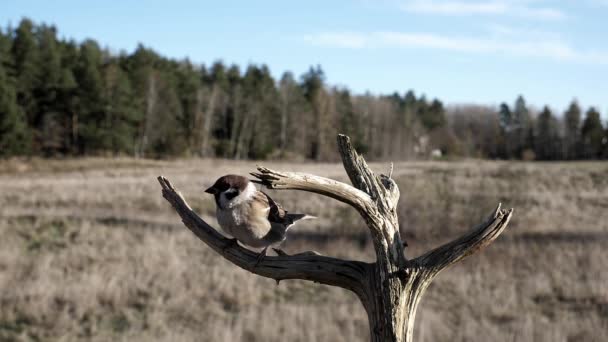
x=245 y=195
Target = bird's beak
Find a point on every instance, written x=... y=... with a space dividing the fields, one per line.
x=211 y=190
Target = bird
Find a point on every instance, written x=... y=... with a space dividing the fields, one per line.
x=250 y=215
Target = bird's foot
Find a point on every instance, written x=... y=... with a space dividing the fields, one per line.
x=261 y=256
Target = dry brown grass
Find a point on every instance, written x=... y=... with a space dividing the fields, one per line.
x=90 y=251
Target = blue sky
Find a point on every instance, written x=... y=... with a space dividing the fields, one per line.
x=481 y=52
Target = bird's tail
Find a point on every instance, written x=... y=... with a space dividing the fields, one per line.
x=293 y=218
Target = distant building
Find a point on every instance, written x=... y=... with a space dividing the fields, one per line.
x=436 y=153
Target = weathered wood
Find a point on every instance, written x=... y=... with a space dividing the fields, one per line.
x=309 y=266
x=389 y=289
x=311 y=183
x=479 y=237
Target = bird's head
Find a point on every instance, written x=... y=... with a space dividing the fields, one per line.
x=228 y=187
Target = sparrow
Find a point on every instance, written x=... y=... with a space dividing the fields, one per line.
x=250 y=215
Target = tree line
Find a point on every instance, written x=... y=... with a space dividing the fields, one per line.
x=517 y=132
x=59 y=97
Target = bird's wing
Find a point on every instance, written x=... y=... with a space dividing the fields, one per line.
x=276 y=213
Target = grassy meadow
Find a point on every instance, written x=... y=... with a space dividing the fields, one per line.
x=89 y=250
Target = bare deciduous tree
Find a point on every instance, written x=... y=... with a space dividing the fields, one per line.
x=389 y=289
x=150 y=102
x=208 y=121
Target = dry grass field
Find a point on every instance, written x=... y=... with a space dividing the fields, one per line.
x=89 y=250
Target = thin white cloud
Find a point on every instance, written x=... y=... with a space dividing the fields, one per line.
x=504 y=32
x=454 y=7
x=498 y=7
x=337 y=39
x=540 y=48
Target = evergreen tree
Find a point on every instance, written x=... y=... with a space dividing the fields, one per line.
x=313 y=89
x=67 y=96
x=218 y=74
x=572 y=123
x=287 y=87
x=350 y=123
x=14 y=134
x=217 y=120
x=6 y=60
x=546 y=141
x=118 y=128
x=90 y=94
x=141 y=66
x=266 y=137
x=235 y=137
x=50 y=119
x=27 y=63
x=592 y=134
x=522 y=127
x=505 y=118
x=189 y=86
x=435 y=116
x=422 y=107
x=256 y=138
x=167 y=136
x=605 y=142
x=409 y=102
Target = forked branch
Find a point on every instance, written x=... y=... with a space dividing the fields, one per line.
x=456 y=250
x=375 y=198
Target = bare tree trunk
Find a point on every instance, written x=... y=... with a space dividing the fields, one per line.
x=208 y=120
x=391 y=310
x=391 y=288
x=285 y=98
x=197 y=120
x=74 y=126
x=239 y=126
x=323 y=124
x=151 y=97
x=246 y=133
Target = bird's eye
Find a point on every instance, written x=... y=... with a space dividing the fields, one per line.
x=231 y=193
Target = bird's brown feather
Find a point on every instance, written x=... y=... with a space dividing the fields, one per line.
x=276 y=213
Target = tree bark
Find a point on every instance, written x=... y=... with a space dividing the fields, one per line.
x=389 y=289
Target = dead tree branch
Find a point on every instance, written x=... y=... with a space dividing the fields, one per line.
x=311 y=183
x=456 y=250
x=308 y=266
x=390 y=289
